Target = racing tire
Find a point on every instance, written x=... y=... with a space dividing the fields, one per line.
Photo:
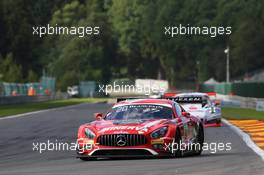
x=178 y=152
x=87 y=158
x=200 y=140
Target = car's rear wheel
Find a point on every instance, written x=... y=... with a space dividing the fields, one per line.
x=218 y=121
x=177 y=152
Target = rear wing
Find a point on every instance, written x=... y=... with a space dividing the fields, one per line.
x=191 y=99
x=185 y=99
x=168 y=95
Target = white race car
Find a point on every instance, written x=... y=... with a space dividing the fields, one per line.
x=200 y=105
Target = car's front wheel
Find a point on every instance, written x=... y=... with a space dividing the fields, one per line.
x=198 y=148
x=87 y=158
x=176 y=148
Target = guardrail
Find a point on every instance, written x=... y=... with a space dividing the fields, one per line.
x=6 y=100
x=243 y=102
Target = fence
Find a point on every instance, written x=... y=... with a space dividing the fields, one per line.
x=87 y=88
x=245 y=89
x=46 y=86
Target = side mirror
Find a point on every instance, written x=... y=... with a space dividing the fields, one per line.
x=98 y=116
x=186 y=114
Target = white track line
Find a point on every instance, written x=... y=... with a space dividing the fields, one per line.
x=41 y=111
x=246 y=138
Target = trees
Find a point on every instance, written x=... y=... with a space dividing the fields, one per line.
x=131 y=43
x=10 y=71
x=16 y=21
x=74 y=59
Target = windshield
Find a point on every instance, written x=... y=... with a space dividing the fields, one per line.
x=146 y=111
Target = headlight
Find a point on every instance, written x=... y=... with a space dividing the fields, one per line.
x=89 y=134
x=159 y=133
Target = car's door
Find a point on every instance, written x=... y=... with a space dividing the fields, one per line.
x=186 y=124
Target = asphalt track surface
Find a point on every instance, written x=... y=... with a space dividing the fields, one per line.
x=17 y=156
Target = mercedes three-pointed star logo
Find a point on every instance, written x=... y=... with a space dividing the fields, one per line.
x=121 y=140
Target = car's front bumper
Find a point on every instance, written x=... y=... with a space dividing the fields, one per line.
x=120 y=152
x=155 y=148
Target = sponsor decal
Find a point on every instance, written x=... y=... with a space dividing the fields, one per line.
x=120 y=132
x=120 y=128
x=157 y=141
x=186 y=99
x=130 y=105
x=122 y=122
x=140 y=129
x=193 y=108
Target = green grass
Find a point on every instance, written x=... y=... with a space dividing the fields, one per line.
x=241 y=113
x=6 y=110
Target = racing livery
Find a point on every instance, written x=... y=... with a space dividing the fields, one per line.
x=200 y=105
x=141 y=127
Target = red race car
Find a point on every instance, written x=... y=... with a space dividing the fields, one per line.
x=141 y=127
